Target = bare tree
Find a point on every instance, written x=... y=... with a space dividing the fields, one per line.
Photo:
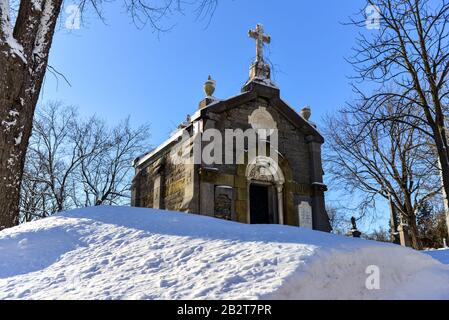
x=74 y=162
x=380 y=235
x=390 y=160
x=35 y=202
x=106 y=175
x=53 y=159
x=338 y=219
x=410 y=51
x=26 y=35
x=57 y=135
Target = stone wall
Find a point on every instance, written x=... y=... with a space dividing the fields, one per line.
x=292 y=143
x=162 y=184
x=296 y=164
x=222 y=190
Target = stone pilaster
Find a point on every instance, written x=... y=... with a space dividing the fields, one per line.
x=159 y=187
x=320 y=217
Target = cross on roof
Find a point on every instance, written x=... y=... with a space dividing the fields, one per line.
x=260 y=38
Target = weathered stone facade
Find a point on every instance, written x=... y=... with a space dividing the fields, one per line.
x=222 y=190
x=283 y=184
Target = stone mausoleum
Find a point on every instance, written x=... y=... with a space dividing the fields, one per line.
x=281 y=185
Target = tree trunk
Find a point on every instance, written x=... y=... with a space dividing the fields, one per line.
x=17 y=107
x=444 y=172
x=393 y=222
x=22 y=73
x=411 y=221
x=413 y=229
x=15 y=131
x=445 y=192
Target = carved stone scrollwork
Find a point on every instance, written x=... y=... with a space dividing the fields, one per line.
x=265 y=169
x=260 y=173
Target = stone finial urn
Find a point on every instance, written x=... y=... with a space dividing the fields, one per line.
x=306 y=113
x=209 y=87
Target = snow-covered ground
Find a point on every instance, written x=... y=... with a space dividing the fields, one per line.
x=441 y=255
x=128 y=253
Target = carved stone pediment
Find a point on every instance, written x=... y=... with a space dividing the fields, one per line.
x=265 y=169
x=260 y=173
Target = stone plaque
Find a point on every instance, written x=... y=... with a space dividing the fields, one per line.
x=223 y=202
x=305 y=215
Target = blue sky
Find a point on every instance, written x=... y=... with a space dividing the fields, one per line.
x=117 y=70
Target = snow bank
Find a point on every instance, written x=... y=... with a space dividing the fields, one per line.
x=128 y=253
x=441 y=255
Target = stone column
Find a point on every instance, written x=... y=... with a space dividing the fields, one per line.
x=320 y=217
x=158 y=186
x=157 y=193
x=135 y=194
x=280 y=196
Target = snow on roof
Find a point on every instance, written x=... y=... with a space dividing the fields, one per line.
x=129 y=253
x=264 y=81
x=174 y=137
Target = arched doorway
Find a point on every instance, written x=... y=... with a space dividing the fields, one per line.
x=265 y=192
